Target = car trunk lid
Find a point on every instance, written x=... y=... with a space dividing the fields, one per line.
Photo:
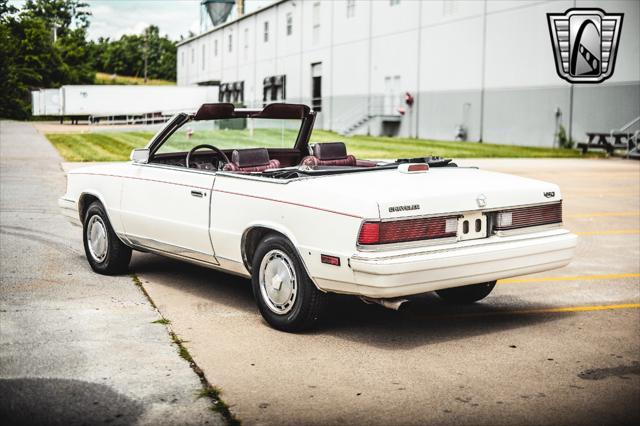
x=440 y=190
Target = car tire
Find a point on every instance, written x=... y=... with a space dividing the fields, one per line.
x=466 y=294
x=286 y=297
x=105 y=252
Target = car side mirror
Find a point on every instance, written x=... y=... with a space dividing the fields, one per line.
x=140 y=155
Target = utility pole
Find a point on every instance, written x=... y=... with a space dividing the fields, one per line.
x=55 y=31
x=146 y=53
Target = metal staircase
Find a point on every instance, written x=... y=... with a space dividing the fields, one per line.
x=360 y=115
x=356 y=125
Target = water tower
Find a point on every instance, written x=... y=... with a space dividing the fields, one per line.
x=217 y=10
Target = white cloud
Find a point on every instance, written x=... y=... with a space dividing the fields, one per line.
x=174 y=17
x=113 y=18
x=116 y=18
x=137 y=28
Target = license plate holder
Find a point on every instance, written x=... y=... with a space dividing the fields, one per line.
x=472 y=226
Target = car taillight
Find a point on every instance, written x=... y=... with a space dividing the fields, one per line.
x=529 y=216
x=408 y=230
x=369 y=233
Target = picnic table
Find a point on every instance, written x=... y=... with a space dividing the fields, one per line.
x=609 y=141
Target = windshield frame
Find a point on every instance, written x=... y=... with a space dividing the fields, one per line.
x=225 y=111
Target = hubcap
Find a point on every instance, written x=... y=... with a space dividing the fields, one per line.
x=97 y=238
x=278 y=283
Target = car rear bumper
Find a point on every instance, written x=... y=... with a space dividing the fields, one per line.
x=381 y=275
x=69 y=209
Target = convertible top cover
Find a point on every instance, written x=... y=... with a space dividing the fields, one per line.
x=219 y=111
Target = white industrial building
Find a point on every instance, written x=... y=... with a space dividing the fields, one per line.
x=484 y=68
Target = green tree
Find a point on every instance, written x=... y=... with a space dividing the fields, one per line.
x=64 y=14
x=29 y=57
x=13 y=91
x=45 y=45
x=29 y=60
x=76 y=55
x=126 y=55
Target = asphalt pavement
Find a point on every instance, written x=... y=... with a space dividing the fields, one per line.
x=75 y=347
x=561 y=347
x=555 y=348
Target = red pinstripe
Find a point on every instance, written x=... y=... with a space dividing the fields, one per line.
x=288 y=202
x=150 y=180
x=228 y=192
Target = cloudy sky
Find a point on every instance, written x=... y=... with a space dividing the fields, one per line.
x=113 y=18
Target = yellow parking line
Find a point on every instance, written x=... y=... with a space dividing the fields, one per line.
x=586 y=308
x=549 y=310
x=603 y=214
x=611 y=232
x=568 y=278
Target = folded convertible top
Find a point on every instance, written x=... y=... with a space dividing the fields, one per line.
x=219 y=111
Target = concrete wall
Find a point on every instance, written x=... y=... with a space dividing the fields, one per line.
x=485 y=65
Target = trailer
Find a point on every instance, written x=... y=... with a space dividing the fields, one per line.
x=119 y=104
x=45 y=102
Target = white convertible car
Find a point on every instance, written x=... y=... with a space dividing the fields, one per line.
x=244 y=191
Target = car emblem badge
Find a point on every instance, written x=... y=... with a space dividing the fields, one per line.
x=394 y=209
x=550 y=194
x=481 y=200
x=585 y=43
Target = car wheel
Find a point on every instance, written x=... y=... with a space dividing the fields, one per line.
x=287 y=298
x=105 y=252
x=466 y=294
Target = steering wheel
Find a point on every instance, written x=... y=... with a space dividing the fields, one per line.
x=221 y=155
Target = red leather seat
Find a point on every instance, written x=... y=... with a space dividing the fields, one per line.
x=250 y=161
x=333 y=154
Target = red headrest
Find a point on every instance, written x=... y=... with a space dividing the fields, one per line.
x=250 y=157
x=329 y=151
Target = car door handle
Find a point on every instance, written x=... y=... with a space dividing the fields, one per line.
x=198 y=194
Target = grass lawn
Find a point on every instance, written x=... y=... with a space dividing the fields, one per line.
x=106 y=78
x=116 y=146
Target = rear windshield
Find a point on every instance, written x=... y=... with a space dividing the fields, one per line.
x=233 y=133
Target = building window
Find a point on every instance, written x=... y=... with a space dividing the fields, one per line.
x=316 y=22
x=289 y=23
x=230 y=47
x=203 y=57
x=316 y=86
x=394 y=2
x=193 y=55
x=265 y=36
x=215 y=48
x=351 y=8
x=182 y=59
x=246 y=43
x=274 y=89
x=231 y=92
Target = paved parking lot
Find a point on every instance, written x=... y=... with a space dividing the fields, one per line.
x=561 y=347
x=75 y=347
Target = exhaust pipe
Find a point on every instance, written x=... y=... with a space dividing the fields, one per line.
x=387 y=303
